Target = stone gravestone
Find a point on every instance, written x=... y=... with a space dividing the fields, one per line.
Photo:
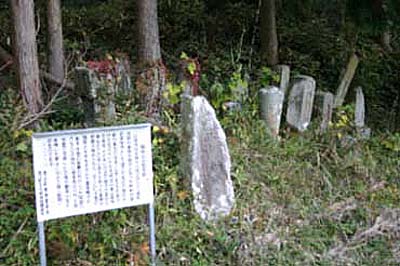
x=87 y=86
x=360 y=108
x=284 y=72
x=300 y=104
x=359 y=119
x=323 y=109
x=271 y=104
x=97 y=96
x=205 y=159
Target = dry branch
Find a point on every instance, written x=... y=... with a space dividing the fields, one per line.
x=6 y=60
x=386 y=224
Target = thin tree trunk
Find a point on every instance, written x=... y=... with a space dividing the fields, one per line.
x=56 y=50
x=269 y=37
x=151 y=80
x=26 y=54
x=147 y=32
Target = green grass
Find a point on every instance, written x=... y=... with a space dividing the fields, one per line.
x=296 y=201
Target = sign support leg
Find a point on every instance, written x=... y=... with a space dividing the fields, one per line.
x=42 y=244
x=152 y=234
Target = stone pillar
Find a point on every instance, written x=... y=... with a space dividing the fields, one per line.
x=323 y=109
x=363 y=131
x=284 y=72
x=271 y=104
x=98 y=96
x=87 y=86
x=301 y=99
x=360 y=108
x=206 y=159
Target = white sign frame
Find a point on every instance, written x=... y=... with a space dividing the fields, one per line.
x=90 y=170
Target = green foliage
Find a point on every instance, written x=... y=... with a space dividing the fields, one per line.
x=268 y=77
x=392 y=142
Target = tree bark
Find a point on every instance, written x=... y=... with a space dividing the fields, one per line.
x=147 y=32
x=26 y=54
x=269 y=37
x=55 y=45
x=150 y=82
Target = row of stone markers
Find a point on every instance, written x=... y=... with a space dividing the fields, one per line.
x=205 y=159
x=303 y=101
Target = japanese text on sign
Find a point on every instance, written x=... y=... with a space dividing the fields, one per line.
x=91 y=170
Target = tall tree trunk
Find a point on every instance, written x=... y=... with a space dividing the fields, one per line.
x=269 y=37
x=147 y=32
x=151 y=80
x=26 y=54
x=55 y=45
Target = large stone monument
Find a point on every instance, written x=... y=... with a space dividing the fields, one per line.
x=300 y=105
x=271 y=104
x=205 y=159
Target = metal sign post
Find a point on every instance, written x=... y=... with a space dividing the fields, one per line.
x=90 y=170
x=152 y=234
x=42 y=244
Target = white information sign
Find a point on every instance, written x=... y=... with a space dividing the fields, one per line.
x=90 y=170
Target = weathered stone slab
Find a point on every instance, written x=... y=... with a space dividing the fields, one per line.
x=301 y=101
x=323 y=107
x=87 y=86
x=284 y=72
x=359 y=114
x=205 y=159
x=271 y=104
x=346 y=79
x=123 y=76
x=97 y=94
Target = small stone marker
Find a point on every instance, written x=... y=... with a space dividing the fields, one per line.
x=284 y=71
x=271 y=104
x=300 y=104
x=360 y=108
x=206 y=159
x=323 y=109
x=87 y=86
x=359 y=119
